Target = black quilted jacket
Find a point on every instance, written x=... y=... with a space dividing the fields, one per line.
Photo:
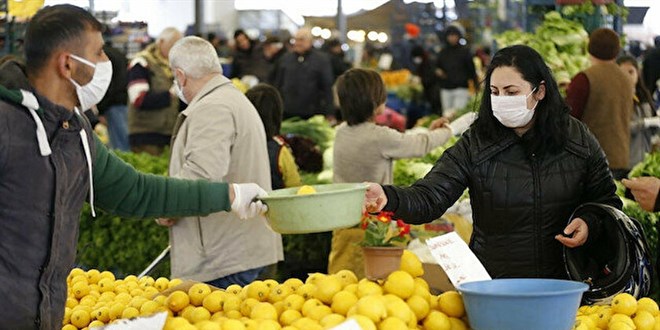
x=520 y=199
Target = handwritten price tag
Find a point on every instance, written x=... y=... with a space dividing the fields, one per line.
x=350 y=324
x=456 y=258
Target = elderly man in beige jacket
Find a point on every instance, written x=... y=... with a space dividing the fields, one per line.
x=219 y=137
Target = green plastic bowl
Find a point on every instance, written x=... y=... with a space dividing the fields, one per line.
x=333 y=206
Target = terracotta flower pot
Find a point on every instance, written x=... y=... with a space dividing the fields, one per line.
x=380 y=261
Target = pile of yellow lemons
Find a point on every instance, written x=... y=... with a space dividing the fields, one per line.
x=402 y=301
x=623 y=313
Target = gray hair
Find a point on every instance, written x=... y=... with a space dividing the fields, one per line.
x=169 y=34
x=195 y=56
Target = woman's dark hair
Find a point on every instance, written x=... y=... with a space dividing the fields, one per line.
x=551 y=114
x=641 y=91
x=360 y=92
x=54 y=27
x=269 y=105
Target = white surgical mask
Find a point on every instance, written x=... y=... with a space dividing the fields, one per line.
x=91 y=93
x=179 y=92
x=512 y=111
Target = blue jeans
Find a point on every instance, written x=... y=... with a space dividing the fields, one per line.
x=117 y=119
x=241 y=278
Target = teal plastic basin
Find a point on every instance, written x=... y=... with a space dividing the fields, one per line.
x=333 y=206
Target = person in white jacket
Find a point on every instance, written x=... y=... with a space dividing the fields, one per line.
x=219 y=137
x=365 y=151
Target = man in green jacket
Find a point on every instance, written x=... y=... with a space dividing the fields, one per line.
x=51 y=162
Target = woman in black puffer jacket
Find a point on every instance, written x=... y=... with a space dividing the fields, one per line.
x=527 y=164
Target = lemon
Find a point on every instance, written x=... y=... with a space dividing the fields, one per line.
x=400 y=283
x=137 y=302
x=234 y=289
x=352 y=288
x=174 y=282
x=102 y=314
x=372 y=307
x=67 y=315
x=411 y=264
x=437 y=321
x=307 y=323
x=289 y=316
x=258 y=290
x=326 y=288
x=79 y=278
x=199 y=314
x=232 y=324
x=267 y=325
x=364 y=322
x=306 y=190
x=232 y=303
x=308 y=305
x=319 y=312
x=71 y=302
x=604 y=316
x=392 y=323
x=93 y=276
x=367 y=287
x=246 y=306
x=106 y=285
x=644 y=320
x=294 y=302
x=177 y=301
x=130 y=312
x=649 y=305
x=329 y=321
x=293 y=283
x=175 y=323
x=123 y=297
x=213 y=301
x=95 y=323
x=279 y=292
x=161 y=283
x=198 y=292
x=69 y=327
x=312 y=278
x=624 y=303
x=73 y=273
x=208 y=325
x=622 y=318
x=80 y=289
x=307 y=291
x=586 y=320
x=146 y=281
x=115 y=310
x=346 y=277
x=457 y=324
x=419 y=306
x=343 y=301
x=619 y=326
x=451 y=303
x=399 y=309
x=234 y=314
x=263 y=311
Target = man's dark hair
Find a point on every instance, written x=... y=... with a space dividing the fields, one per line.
x=552 y=113
x=54 y=27
x=360 y=92
x=268 y=102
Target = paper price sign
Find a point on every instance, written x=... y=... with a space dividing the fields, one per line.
x=456 y=258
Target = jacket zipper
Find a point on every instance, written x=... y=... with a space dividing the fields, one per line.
x=537 y=223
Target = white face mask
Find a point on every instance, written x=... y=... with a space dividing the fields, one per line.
x=179 y=92
x=512 y=111
x=92 y=93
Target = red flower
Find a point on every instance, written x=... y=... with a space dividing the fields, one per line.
x=405 y=229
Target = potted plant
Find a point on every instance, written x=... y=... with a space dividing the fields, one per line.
x=383 y=244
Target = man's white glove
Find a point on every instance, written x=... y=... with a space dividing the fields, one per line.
x=244 y=204
x=652 y=122
x=462 y=123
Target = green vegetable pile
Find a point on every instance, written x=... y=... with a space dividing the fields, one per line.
x=316 y=128
x=561 y=42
